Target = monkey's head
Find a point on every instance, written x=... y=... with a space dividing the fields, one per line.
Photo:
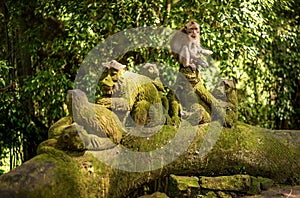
x=111 y=76
x=74 y=98
x=192 y=29
x=70 y=139
x=150 y=70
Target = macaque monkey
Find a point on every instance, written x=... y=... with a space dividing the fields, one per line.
x=185 y=46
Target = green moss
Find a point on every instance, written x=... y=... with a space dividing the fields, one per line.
x=55 y=155
x=140 y=112
x=222 y=194
x=236 y=183
x=240 y=183
x=157 y=140
x=182 y=185
x=248 y=147
x=56 y=129
x=174 y=109
x=81 y=177
x=184 y=182
x=70 y=139
x=46 y=146
x=58 y=177
x=255 y=187
x=209 y=194
x=265 y=183
x=96 y=175
x=139 y=95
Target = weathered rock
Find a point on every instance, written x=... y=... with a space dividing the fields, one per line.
x=237 y=183
x=265 y=183
x=223 y=194
x=242 y=148
x=209 y=194
x=182 y=186
x=56 y=129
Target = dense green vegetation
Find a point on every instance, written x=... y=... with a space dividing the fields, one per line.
x=44 y=42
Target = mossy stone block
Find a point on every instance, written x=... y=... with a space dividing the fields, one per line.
x=183 y=186
x=265 y=183
x=238 y=183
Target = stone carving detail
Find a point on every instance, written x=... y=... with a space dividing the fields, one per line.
x=128 y=100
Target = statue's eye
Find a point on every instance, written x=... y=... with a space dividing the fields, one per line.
x=104 y=74
x=65 y=137
x=114 y=72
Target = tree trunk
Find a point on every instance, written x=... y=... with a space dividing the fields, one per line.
x=242 y=149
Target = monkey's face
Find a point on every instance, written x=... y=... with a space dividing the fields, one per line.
x=150 y=70
x=192 y=29
x=70 y=139
x=109 y=80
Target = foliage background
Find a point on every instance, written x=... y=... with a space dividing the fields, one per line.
x=44 y=42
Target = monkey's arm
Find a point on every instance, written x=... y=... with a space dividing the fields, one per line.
x=198 y=60
x=205 y=52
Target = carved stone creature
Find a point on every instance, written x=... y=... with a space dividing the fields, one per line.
x=97 y=128
x=129 y=93
x=226 y=93
x=74 y=137
x=150 y=70
x=95 y=119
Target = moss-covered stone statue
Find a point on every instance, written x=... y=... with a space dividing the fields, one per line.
x=139 y=102
x=168 y=98
x=66 y=164
x=226 y=94
x=223 y=108
x=243 y=155
x=74 y=138
x=127 y=93
x=88 y=127
x=96 y=119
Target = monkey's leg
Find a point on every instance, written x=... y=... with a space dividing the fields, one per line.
x=184 y=56
x=200 y=62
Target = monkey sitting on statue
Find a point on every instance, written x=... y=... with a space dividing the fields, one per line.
x=185 y=46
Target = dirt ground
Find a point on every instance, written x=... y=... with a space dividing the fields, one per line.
x=279 y=192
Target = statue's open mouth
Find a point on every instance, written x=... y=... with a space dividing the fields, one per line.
x=107 y=90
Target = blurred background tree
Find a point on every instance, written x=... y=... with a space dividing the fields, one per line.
x=44 y=42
